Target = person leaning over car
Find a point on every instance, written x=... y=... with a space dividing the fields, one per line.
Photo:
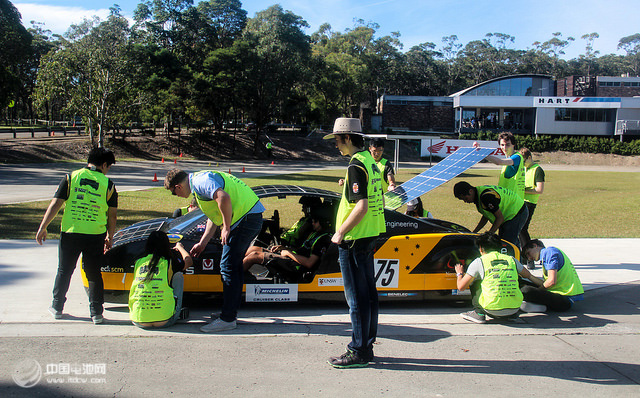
x=359 y=221
x=493 y=281
x=512 y=174
x=562 y=286
x=503 y=208
x=230 y=204
x=88 y=225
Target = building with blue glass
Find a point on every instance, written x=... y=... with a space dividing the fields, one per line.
x=524 y=104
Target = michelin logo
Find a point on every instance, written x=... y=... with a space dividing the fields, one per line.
x=272 y=293
x=263 y=290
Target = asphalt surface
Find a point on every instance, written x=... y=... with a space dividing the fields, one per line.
x=424 y=348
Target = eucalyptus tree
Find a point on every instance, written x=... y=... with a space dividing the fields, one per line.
x=91 y=74
x=554 y=48
x=631 y=44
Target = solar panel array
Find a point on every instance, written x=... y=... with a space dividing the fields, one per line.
x=264 y=191
x=445 y=170
x=136 y=232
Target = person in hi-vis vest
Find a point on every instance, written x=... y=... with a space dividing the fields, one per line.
x=503 y=208
x=155 y=296
x=562 y=286
x=534 y=187
x=359 y=221
x=233 y=206
x=376 y=147
x=493 y=281
x=87 y=228
x=512 y=173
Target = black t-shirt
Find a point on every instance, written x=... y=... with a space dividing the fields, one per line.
x=357 y=180
x=63 y=191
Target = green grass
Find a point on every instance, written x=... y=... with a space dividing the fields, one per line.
x=575 y=204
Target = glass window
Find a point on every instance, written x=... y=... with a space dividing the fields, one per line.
x=591 y=115
x=616 y=84
x=626 y=84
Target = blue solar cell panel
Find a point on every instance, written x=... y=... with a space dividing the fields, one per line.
x=445 y=170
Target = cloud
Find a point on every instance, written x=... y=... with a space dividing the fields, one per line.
x=57 y=18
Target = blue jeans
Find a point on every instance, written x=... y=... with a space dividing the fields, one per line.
x=356 y=264
x=233 y=253
x=510 y=230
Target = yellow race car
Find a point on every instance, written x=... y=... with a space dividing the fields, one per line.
x=414 y=259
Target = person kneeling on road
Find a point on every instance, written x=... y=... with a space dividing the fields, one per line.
x=493 y=281
x=155 y=298
x=562 y=286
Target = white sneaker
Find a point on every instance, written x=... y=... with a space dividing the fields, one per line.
x=218 y=325
x=531 y=307
x=97 y=319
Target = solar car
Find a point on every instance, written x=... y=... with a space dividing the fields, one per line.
x=414 y=258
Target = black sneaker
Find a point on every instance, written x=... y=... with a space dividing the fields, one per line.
x=184 y=315
x=349 y=359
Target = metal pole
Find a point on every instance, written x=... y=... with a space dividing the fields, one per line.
x=396 y=154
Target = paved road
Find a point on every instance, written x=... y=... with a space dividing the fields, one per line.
x=424 y=349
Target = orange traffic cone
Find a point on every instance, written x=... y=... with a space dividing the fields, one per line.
x=162 y=160
x=180 y=154
x=272 y=162
x=155 y=177
x=243 y=169
x=175 y=161
x=229 y=171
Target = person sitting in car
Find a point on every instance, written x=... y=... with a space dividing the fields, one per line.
x=294 y=260
x=294 y=236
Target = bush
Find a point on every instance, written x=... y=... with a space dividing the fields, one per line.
x=547 y=143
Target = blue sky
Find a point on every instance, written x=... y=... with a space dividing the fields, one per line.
x=418 y=21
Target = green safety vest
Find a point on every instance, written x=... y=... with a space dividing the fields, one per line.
x=86 y=208
x=381 y=166
x=242 y=199
x=373 y=222
x=567 y=281
x=151 y=301
x=499 y=287
x=310 y=243
x=530 y=183
x=510 y=203
x=515 y=183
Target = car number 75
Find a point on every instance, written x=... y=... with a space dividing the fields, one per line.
x=386 y=272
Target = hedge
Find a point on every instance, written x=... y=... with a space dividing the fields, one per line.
x=547 y=143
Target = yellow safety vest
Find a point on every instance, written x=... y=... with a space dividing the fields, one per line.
x=86 y=208
x=151 y=301
x=499 y=286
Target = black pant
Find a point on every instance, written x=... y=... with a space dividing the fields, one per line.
x=92 y=249
x=554 y=301
x=524 y=234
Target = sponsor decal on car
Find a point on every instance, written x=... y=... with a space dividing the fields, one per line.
x=207 y=264
x=174 y=238
x=330 y=282
x=272 y=293
x=107 y=268
x=397 y=294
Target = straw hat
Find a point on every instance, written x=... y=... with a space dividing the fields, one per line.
x=345 y=125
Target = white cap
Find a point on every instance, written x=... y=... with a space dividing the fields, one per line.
x=345 y=125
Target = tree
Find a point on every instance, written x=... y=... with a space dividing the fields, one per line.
x=15 y=45
x=554 y=48
x=91 y=74
x=280 y=55
x=588 y=58
x=631 y=44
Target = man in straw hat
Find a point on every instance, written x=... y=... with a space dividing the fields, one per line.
x=359 y=221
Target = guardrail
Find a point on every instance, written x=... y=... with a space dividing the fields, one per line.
x=51 y=131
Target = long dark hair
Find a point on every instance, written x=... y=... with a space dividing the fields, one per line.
x=159 y=246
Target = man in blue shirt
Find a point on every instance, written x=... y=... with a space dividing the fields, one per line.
x=562 y=286
x=231 y=205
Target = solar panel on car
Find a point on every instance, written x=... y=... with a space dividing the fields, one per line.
x=445 y=170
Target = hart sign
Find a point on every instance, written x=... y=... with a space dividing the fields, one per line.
x=442 y=148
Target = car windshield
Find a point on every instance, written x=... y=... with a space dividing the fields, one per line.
x=177 y=225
